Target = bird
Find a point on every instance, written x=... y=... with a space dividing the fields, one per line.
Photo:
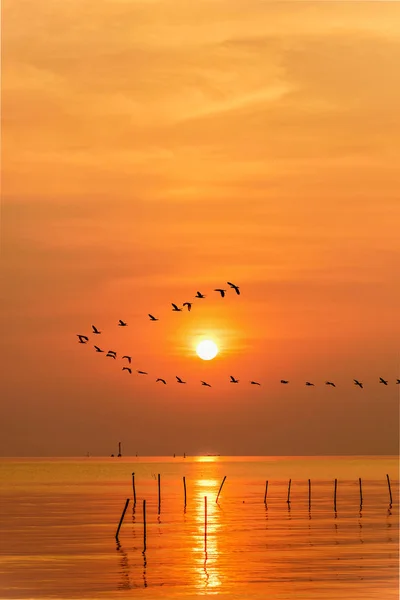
x=233 y=380
x=222 y=292
x=205 y=383
x=142 y=372
x=98 y=349
x=188 y=304
x=175 y=307
x=83 y=339
x=284 y=381
x=357 y=383
x=255 y=383
x=234 y=287
x=122 y=323
x=199 y=295
x=152 y=318
x=162 y=380
x=381 y=380
x=330 y=383
x=95 y=330
x=128 y=357
x=179 y=380
x=111 y=354
x=308 y=383
x=398 y=381
x=127 y=369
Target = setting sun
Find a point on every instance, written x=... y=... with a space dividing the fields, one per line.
x=207 y=350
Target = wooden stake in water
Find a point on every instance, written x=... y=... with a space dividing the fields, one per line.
x=390 y=490
x=159 y=493
x=334 y=496
x=184 y=490
x=122 y=518
x=288 y=492
x=361 y=496
x=266 y=492
x=133 y=489
x=205 y=523
x=144 y=526
x=309 y=494
x=223 y=481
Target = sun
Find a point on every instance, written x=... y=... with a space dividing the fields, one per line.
x=207 y=350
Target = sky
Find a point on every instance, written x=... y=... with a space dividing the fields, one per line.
x=153 y=148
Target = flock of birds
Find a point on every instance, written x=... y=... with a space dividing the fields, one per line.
x=84 y=339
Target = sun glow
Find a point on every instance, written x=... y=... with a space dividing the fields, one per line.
x=207 y=350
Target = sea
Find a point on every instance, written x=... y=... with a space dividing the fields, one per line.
x=282 y=527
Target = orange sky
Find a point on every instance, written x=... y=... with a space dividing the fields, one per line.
x=151 y=149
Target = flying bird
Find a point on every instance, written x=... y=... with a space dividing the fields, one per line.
x=255 y=383
x=127 y=369
x=357 y=383
x=222 y=292
x=128 y=357
x=205 y=383
x=188 y=304
x=199 y=295
x=330 y=383
x=308 y=383
x=179 y=380
x=152 y=318
x=162 y=380
x=142 y=372
x=234 y=287
x=83 y=339
x=95 y=330
x=284 y=381
x=98 y=349
x=233 y=380
x=111 y=354
x=398 y=381
x=122 y=323
x=175 y=307
x=381 y=380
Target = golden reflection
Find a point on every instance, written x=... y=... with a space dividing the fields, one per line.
x=206 y=550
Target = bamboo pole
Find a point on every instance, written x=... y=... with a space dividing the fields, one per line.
x=361 y=496
x=309 y=494
x=334 y=496
x=184 y=489
x=390 y=490
x=144 y=527
x=223 y=481
x=134 y=489
x=266 y=492
x=159 y=493
x=122 y=518
x=205 y=523
x=288 y=492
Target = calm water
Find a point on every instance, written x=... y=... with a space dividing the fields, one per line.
x=59 y=518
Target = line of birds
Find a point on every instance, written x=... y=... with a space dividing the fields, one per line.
x=112 y=354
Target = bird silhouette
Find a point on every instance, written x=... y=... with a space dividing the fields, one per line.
x=308 y=383
x=199 y=295
x=284 y=381
x=128 y=357
x=233 y=380
x=122 y=323
x=188 y=304
x=95 y=330
x=162 y=380
x=152 y=318
x=381 y=380
x=111 y=354
x=175 y=307
x=179 y=380
x=330 y=383
x=222 y=292
x=398 y=381
x=205 y=383
x=234 y=287
x=142 y=372
x=127 y=369
x=255 y=383
x=357 y=383
x=83 y=339
x=98 y=349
